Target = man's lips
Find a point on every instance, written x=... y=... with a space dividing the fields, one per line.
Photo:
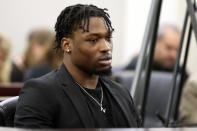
x=105 y=60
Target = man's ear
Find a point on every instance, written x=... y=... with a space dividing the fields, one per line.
x=66 y=44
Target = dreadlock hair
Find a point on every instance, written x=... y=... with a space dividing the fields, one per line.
x=70 y=19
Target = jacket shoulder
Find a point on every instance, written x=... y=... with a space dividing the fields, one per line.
x=37 y=103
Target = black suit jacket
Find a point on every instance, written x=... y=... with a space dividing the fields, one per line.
x=55 y=101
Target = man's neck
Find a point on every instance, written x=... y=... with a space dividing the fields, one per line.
x=83 y=78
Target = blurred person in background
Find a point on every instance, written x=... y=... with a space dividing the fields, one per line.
x=39 y=57
x=188 y=104
x=51 y=59
x=5 y=65
x=166 y=49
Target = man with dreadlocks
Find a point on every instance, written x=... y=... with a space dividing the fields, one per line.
x=78 y=95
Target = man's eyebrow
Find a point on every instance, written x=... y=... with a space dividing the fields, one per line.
x=98 y=34
x=93 y=34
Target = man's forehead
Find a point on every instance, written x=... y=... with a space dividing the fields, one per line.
x=95 y=26
x=92 y=19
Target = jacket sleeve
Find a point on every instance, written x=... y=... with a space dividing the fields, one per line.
x=34 y=106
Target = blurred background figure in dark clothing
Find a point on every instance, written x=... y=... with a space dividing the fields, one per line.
x=45 y=57
x=166 y=49
x=39 y=57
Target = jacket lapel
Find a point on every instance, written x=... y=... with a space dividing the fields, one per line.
x=116 y=96
x=71 y=89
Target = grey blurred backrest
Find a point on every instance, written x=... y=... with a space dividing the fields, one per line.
x=159 y=91
x=7 y=111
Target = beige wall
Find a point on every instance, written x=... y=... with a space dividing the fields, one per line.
x=18 y=17
x=173 y=11
x=129 y=17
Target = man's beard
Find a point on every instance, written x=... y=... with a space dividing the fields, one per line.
x=105 y=72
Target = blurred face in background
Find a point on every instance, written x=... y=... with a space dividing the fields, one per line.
x=166 y=48
x=40 y=42
x=38 y=51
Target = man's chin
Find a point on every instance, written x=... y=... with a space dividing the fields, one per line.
x=104 y=72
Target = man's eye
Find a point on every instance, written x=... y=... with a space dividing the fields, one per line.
x=108 y=38
x=93 y=40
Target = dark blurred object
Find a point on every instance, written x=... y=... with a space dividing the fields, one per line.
x=158 y=95
x=16 y=74
x=157 y=67
x=7 y=111
x=35 y=72
x=11 y=89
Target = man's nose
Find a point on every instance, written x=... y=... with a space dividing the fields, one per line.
x=105 y=46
